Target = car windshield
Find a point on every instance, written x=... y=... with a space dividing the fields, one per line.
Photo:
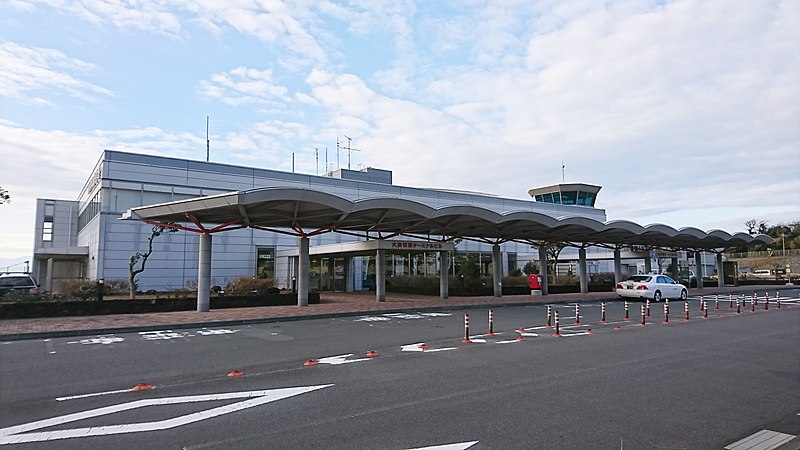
x=14 y=281
x=639 y=278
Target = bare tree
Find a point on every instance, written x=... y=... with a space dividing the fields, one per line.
x=158 y=230
x=5 y=197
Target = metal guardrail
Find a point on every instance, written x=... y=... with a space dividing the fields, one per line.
x=764 y=254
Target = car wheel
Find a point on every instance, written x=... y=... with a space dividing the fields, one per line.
x=657 y=296
x=684 y=294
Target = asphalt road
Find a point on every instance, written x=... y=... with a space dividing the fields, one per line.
x=693 y=385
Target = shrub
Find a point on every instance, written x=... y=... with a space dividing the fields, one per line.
x=416 y=281
x=515 y=281
x=249 y=286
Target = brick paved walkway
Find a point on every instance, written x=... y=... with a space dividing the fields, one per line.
x=331 y=304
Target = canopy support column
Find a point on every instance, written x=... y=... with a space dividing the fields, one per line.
x=380 y=276
x=543 y=267
x=720 y=271
x=204 y=274
x=617 y=265
x=582 y=272
x=444 y=264
x=648 y=265
x=675 y=268
x=698 y=264
x=303 y=269
x=497 y=270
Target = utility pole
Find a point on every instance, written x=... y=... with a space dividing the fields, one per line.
x=208 y=143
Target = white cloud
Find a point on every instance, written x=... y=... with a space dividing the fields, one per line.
x=244 y=85
x=144 y=15
x=27 y=73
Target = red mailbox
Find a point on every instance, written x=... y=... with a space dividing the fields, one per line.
x=535 y=281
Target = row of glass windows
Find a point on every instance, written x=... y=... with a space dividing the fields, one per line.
x=89 y=213
x=580 y=198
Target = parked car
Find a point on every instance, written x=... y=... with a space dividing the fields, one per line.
x=762 y=273
x=652 y=286
x=17 y=282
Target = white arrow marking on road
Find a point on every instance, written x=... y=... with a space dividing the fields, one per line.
x=416 y=348
x=459 y=446
x=341 y=359
x=11 y=435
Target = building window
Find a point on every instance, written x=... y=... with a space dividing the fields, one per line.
x=265 y=262
x=47 y=230
x=91 y=210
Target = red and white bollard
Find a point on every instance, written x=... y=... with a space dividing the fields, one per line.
x=557 y=333
x=778 y=300
x=647 y=307
x=666 y=313
x=603 y=312
x=730 y=301
x=491 y=324
x=627 y=316
x=766 y=301
x=755 y=299
x=685 y=311
x=466 y=339
x=716 y=303
x=577 y=314
x=701 y=303
x=549 y=316
x=738 y=306
x=666 y=305
x=753 y=304
x=705 y=310
x=643 y=316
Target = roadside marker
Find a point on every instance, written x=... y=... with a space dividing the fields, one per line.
x=549 y=316
x=577 y=314
x=716 y=302
x=491 y=324
x=644 y=316
x=738 y=306
x=627 y=317
x=766 y=301
x=556 y=334
x=466 y=339
x=753 y=304
x=730 y=301
x=702 y=301
x=603 y=312
x=666 y=313
x=648 y=307
x=705 y=310
x=685 y=311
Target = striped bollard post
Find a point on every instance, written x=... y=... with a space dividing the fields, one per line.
x=701 y=303
x=549 y=316
x=644 y=316
x=577 y=314
x=666 y=314
x=705 y=310
x=753 y=304
x=778 y=301
x=738 y=306
x=558 y=332
x=603 y=312
x=730 y=301
x=766 y=301
x=647 y=308
x=755 y=299
x=466 y=339
x=716 y=302
x=666 y=305
x=491 y=323
x=685 y=311
x=627 y=316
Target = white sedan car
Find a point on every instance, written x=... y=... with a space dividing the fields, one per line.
x=652 y=286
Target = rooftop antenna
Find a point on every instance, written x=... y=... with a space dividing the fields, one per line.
x=337 y=154
x=316 y=156
x=292 y=162
x=350 y=150
x=208 y=143
x=326 y=160
x=562 y=171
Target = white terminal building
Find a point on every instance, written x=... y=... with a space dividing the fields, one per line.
x=86 y=238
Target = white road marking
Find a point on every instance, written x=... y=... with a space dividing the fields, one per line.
x=416 y=348
x=763 y=440
x=341 y=359
x=459 y=446
x=102 y=340
x=529 y=334
x=49 y=345
x=161 y=335
x=373 y=319
x=217 y=331
x=11 y=435
x=477 y=340
x=96 y=394
x=512 y=341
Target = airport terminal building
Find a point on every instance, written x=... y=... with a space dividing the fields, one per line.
x=86 y=238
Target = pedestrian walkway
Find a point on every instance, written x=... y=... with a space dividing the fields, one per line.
x=331 y=305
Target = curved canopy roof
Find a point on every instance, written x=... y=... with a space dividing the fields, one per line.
x=304 y=210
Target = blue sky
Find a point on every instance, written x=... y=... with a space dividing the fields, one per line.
x=685 y=112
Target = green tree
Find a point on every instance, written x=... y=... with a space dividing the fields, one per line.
x=530 y=267
x=141 y=258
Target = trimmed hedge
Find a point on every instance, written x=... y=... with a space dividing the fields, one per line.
x=24 y=310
